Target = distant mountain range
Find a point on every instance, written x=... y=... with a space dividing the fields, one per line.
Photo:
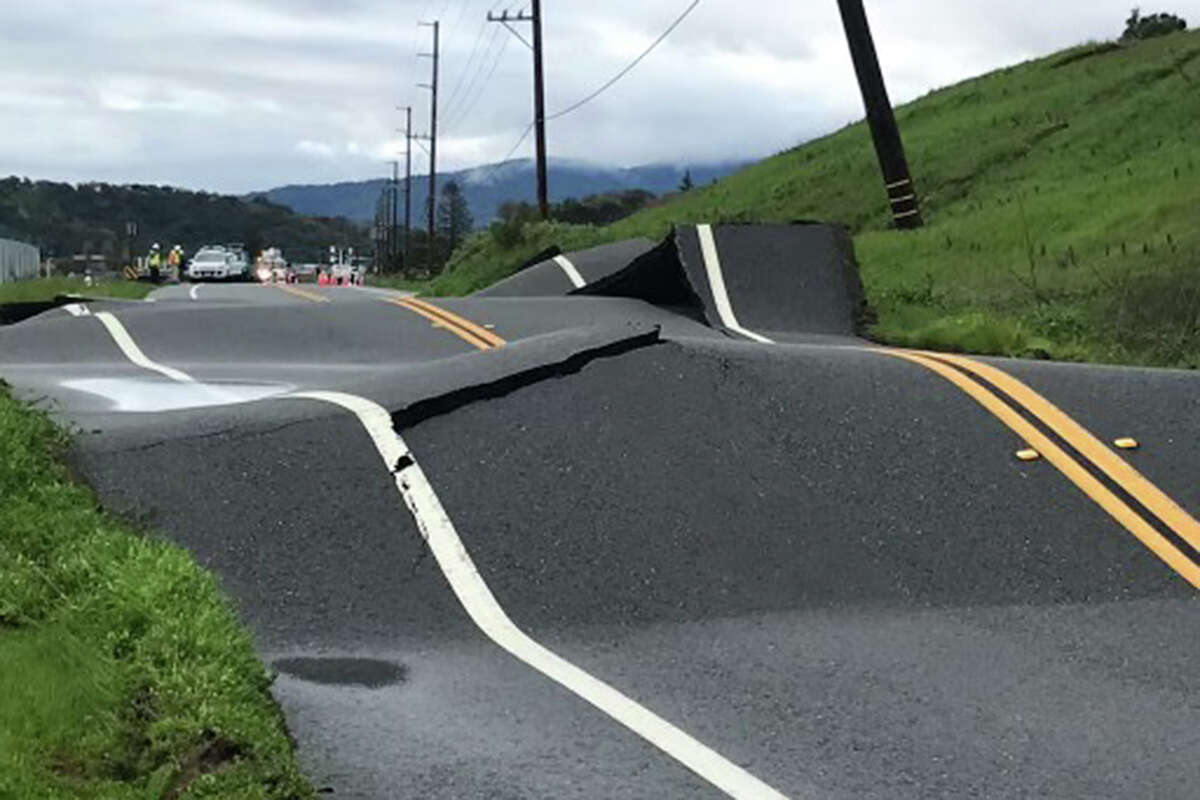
x=489 y=186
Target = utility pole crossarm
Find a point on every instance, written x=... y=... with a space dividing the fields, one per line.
x=520 y=16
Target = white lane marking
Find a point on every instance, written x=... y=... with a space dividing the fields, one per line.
x=134 y=353
x=77 y=310
x=716 y=281
x=572 y=273
x=468 y=585
x=480 y=604
x=192 y=292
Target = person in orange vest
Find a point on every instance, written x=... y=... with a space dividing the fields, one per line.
x=175 y=261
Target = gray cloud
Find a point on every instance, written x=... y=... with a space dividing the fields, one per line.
x=235 y=95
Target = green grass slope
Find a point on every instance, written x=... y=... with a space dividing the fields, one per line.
x=124 y=672
x=48 y=288
x=1062 y=200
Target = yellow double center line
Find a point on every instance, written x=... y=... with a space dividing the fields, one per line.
x=468 y=331
x=304 y=293
x=955 y=368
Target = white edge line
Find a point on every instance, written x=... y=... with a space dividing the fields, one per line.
x=481 y=605
x=572 y=273
x=134 y=353
x=77 y=310
x=716 y=282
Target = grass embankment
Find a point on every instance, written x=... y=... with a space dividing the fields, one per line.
x=396 y=282
x=1061 y=198
x=40 y=289
x=123 y=670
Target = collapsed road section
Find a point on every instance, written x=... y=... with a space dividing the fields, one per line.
x=823 y=565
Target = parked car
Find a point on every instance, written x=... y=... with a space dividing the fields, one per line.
x=213 y=263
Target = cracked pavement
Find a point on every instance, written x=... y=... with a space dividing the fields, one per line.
x=822 y=562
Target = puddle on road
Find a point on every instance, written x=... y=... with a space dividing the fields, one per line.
x=143 y=395
x=367 y=672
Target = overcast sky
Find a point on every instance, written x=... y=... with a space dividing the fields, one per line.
x=234 y=95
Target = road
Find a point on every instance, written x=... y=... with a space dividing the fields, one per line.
x=587 y=545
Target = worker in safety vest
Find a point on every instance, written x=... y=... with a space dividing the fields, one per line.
x=154 y=262
x=175 y=261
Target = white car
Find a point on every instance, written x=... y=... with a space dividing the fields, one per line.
x=217 y=263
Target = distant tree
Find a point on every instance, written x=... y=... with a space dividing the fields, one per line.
x=686 y=184
x=454 y=215
x=1138 y=27
x=601 y=209
x=509 y=229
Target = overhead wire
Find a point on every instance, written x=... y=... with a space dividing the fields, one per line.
x=495 y=167
x=466 y=109
x=470 y=83
x=629 y=68
x=462 y=75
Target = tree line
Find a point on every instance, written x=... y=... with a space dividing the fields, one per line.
x=454 y=223
x=94 y=219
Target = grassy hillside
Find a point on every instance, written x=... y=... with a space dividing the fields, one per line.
x=1061 y=197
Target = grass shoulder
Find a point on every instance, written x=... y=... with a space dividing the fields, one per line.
x=124 y=671
x=45 y=289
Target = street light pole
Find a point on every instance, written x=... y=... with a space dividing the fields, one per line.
x=902 y=195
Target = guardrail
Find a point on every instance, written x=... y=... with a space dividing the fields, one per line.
x=18 y=261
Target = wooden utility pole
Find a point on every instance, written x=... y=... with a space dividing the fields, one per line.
x=539 y=94
x=407 y=187
x=393 y=239
x=902 y=195
x=432 y=137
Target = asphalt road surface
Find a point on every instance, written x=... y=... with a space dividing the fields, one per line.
x=672 y=533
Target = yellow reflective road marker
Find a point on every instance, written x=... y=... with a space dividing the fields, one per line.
x=1068 y=466
x=1028 y=454
x=1111 y=464
x=1127 y=444
x=304 y=293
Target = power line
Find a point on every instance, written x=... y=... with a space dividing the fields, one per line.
x=462 y=12
x=503 y=161
x=489 y=51
x=629 y=68
x=462 y=76
x=465 y=111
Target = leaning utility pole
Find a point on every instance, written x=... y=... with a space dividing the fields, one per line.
x=539 y=94
x=432 y=137
x=906 y=210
